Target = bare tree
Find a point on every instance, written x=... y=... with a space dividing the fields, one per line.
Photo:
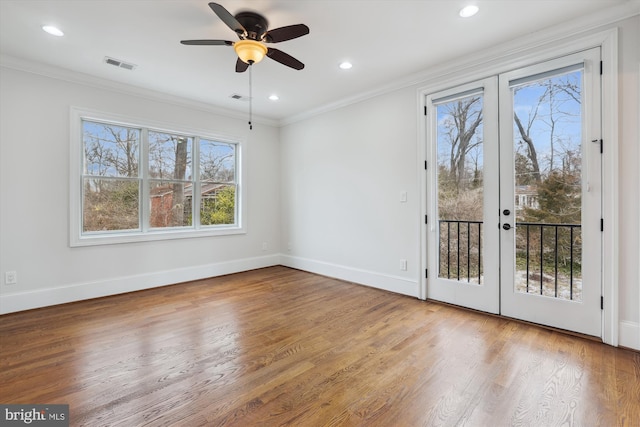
x=179 y=172
x=126 y=141
x=214 y=164
x=467 y=116
x=557 y=93
x=525 y=135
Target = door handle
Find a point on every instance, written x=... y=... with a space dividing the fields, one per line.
x=506 y=226
x=506 y=212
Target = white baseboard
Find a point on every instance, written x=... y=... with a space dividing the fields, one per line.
x=629 y=332
x=372 y=279
x=20 y=301
x=629 y=335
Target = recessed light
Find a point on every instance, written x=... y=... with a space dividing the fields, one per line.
x=346 y=65
x=274 y=97
x=469 y=11
x=54 y=31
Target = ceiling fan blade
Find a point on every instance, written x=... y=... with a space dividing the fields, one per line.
x=228 y=19
x=286 y=33
x=284 y=58
x=241 y=66
x=207 y=42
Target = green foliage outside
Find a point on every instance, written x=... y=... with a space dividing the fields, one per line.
x=559 y=199
x=221 y=209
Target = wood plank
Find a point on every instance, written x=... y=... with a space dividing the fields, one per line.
x=279 y=346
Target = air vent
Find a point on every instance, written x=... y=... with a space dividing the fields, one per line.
x=239 y=97
x=119 y=63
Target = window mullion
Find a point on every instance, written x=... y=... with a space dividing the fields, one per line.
x=143 y=175
x=196 y=198
x=237 y=181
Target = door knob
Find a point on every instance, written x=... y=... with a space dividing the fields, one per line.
x=506 y=226
x=506 y=212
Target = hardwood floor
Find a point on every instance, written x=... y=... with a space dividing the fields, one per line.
x=283 y=347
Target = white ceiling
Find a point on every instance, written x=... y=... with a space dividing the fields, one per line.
x=386 y=40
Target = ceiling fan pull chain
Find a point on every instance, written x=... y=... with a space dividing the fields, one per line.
x=250 y=96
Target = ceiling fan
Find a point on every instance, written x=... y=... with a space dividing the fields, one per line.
x=252 y=30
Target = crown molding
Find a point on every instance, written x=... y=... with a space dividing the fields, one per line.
x=486 y=57
x=70 y=76
x=500 y=52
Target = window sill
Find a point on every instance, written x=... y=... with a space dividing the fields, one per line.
x=150 y=236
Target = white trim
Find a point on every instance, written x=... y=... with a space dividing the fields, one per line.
x=423 y=185
x=623 y=340
x=20 y=301
x=484 y=58
x=63 y=74
x=541 y=37
x=531 y=54
x=610 y=188
x=372 y=279
x=629 y=335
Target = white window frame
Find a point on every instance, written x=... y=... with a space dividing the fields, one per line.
x=145 y=234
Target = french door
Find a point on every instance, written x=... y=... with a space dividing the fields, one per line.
x=463 y=196
x=515 y=194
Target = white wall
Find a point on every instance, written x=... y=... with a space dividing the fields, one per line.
x=34 y=198
x=343 y=170
x=342 y=176
x=629 y=179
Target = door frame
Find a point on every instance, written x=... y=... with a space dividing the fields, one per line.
x=505 y=59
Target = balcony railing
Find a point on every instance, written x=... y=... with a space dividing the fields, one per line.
x=461 y=250
x=548 y=256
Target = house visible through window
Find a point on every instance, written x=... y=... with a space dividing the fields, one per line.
x=137 y=180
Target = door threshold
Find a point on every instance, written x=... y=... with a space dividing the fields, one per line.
x=499 y=316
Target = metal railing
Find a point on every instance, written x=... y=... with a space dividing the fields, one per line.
x=461 y=254
x=551 y=249
x=547 y=255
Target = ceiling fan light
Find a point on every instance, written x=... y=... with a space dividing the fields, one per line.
x=250 y=51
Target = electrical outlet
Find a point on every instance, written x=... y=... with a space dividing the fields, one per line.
x=265 y=246
x=403 y=264
x=11 y=277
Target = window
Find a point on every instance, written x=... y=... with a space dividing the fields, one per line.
x=133 y=182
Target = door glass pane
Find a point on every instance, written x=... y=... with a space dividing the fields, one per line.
x=460 y=189
x=548 y=190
